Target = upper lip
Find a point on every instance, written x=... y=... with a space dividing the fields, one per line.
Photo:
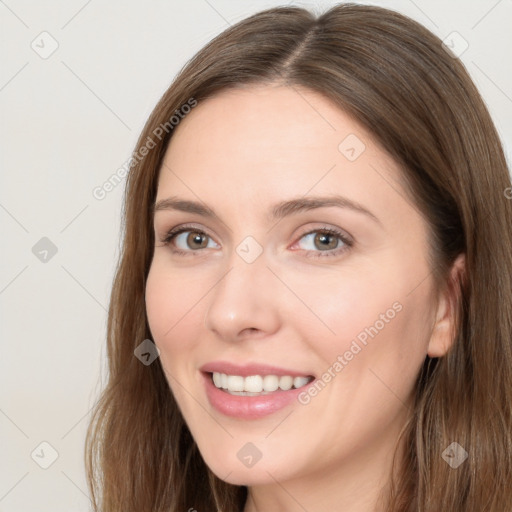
x=250 y=369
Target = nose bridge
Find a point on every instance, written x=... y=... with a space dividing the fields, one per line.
x=245 y=297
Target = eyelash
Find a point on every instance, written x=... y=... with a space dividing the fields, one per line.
x=173 y=233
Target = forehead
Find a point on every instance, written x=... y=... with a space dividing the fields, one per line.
x=279 y=120
x=263 y=132
x=258 y=145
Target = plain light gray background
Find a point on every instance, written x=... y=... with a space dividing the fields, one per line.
x=69 y=120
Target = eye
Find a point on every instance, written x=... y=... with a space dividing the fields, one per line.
x=187 y=240
x=325 y=242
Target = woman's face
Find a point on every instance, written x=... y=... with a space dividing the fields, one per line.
x=254 y=287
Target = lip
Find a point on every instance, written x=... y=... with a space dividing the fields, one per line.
x=249 y=407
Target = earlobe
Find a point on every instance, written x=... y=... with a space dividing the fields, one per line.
x=444 y=329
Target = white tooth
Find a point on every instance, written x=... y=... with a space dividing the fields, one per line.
x=254 y=384
x=235 y=383
x=286 y=383
x=298 y=382
x=257 y=384
x=270 y=382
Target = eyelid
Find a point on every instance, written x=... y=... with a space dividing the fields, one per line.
x=346 y=239
x=173 y=232
x=322 y=227
x=327 y=228
x=343 y=235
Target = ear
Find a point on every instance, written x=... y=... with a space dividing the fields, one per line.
x=443 y=333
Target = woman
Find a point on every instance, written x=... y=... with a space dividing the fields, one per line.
x=317 y=241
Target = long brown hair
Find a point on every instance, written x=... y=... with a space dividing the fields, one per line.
x=396 y=79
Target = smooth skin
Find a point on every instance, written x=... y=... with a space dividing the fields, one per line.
x=299 y=304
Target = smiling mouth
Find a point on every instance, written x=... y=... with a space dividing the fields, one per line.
x=257 y=385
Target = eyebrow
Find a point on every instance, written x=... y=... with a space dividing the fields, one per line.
x=277 y=212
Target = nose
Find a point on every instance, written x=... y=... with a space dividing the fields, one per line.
x=245 y=302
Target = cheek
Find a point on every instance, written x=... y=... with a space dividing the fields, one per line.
x=174 y=320
x=160 y=304
x=369 y=315
x=171 y=307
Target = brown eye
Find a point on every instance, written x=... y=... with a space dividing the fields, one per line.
x=196 y=240
x=187 y=240
x=324 y=240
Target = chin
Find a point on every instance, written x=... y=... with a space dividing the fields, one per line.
x=245 y=476
x=244 y=466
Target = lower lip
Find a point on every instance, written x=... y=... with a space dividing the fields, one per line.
x=248 y=407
